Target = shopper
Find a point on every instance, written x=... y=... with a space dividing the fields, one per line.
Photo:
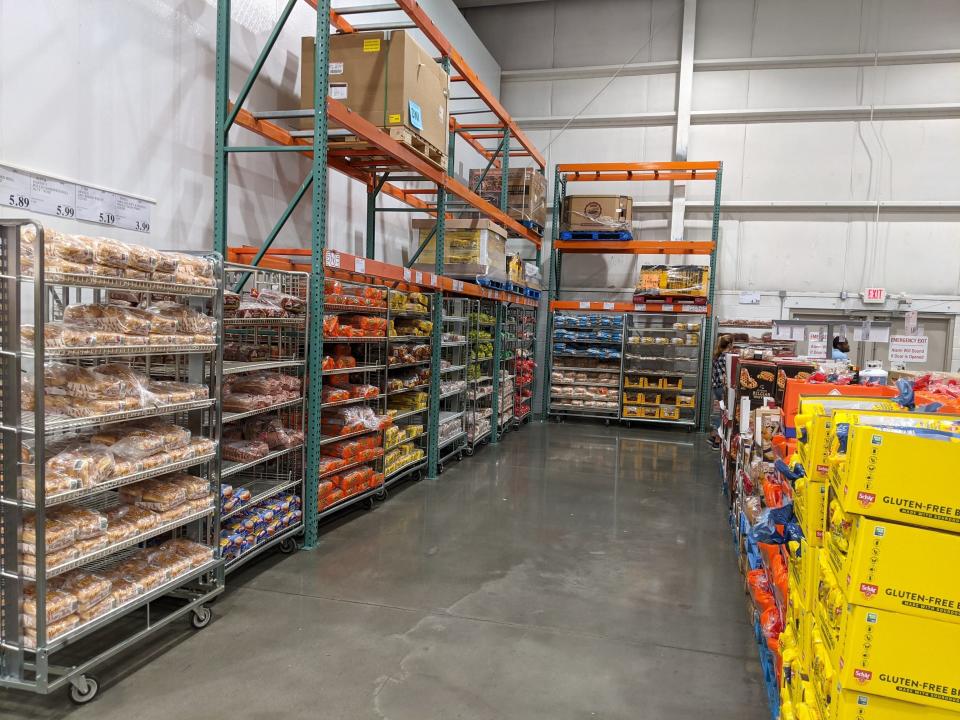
x=841 y=348
x=724 y=343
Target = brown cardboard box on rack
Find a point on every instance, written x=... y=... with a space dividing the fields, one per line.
x=385 y=77
x=609 y=213
x=471 y=247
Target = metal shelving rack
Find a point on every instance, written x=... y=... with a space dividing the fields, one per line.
x=481 y=383
x=523 y=322
x=505 y=352
x=378 y=168
x=370 y=354
x=591 y=354
x=665 y=349
x=40 y=298
x=453 y=377
x=285 y=338
x=635 y=172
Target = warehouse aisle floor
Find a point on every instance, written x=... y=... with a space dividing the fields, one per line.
x=576 y=571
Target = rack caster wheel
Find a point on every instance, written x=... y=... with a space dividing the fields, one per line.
x=368 y=503
x=288 y=546
x=83 y=689
x=201 y=617
x=439 y=468
x=468 y=451
x=460 y=456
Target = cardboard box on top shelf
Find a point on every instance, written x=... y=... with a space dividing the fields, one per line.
x=387 y=78
x=598 y=213
x=526 y=192
x=471 y=248
x=791 y=370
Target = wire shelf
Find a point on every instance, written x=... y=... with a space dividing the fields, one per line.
x=231 y=468
x=231 y=367
x=350 y=466
x=409 y=413
x=337 y=438
x=116 y=283
x=349 y=401
x=453 y=368
x=450 y=440
x=298 y=321
x=262 y=490
x=92 y=420
x=408 y=389
x=358 y=369
x=229 y=417
x=244 y=557
x=115 y=350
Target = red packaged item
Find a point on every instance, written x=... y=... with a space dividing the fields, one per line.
x=363 y=391
x=289 y=303
x=346 y=361
x=332 y=394
x=324 y=489
x=329 y=464
x=345 y=449
x=331 y=324
x=329 y=363
x=332 y=286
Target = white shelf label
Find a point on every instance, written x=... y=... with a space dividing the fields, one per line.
x=608 y=306
x=458 y=285
x=584 y=305
x=433 y=280
x=38 y=193
x=639 y=308
x=331 y=258
x=407 y=274
x=359 y=265
x=419 y=277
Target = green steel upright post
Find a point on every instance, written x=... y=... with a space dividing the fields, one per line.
x=371 y=222
x=433 y=415
x=706 y=339
x=220 y=167
x=505 y=171
x=552 y=290
x=317 y=272
x=495 y=369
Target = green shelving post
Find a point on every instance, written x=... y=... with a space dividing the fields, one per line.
x=318 y=247
x=552 y=283
x=706 y=391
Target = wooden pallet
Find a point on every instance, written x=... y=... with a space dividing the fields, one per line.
x=402 y=135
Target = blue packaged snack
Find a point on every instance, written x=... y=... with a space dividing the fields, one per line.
x=230 y=504
x=226 y=491
x=273 y=528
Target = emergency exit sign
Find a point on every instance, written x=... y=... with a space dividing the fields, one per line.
x=875 y=295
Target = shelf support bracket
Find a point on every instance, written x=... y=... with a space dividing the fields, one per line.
x=372 y=192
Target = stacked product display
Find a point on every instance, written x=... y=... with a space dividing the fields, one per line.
x=265 y=348
x=453 y=380
x=839 y=550
x=522 y=320
x=110 y=471
x=661 y=367
x=481 y=326
x=506 y=334
x=586 y=364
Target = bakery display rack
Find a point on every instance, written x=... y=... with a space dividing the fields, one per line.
x=265 y=340
x=662 y=359
x=94 y=528
x=586 y=353
x=453 y=380
x=522 y=323
x=481 y=328
x=505 y=352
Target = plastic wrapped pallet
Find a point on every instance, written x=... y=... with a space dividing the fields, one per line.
x=598 y=213
x=526 y=192
x=471 y=248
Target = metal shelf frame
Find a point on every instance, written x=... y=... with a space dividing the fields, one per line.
x=629 y=172
x=377 y=175
x=39 y=298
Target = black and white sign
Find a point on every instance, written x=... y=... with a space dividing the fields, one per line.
x=908 y=348
x=33 y=192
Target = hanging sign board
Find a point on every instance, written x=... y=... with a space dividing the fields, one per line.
x=817 y=344
x=31 y=192
x=908 y=348
x=910 y=322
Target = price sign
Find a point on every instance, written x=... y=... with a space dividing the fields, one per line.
x=608 y=306
x=817 y=344
x=458 y=285
x=433 y=280
x=331 y=258
x=38 y=193
x=359 y=265
x=781 y=332
x=419 y=277
x=407 y=274
x=584 y=305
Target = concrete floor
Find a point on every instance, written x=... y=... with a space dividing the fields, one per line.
x=577 y=571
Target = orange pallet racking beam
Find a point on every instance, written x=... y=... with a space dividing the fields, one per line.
x=634 y=247
x=620 y=307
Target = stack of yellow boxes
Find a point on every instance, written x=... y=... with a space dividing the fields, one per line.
x=873 y=619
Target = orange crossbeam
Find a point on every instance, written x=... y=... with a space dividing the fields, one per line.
x=634 y=247
x=629 y=307
x=281 y=136
x=639 y=167
x=346 y=266
x=455 y=127
x=591 y=176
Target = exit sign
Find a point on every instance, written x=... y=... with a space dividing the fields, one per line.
x=874 y=295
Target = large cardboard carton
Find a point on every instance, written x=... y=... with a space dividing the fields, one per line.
x=385 y=77
x=896 y=567
x=526 y=192
x=598 y=213
x=471 y=248
x=889 y=475
x=796 y=388
x=756 y=379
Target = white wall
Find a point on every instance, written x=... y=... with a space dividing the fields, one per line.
x=811 y=255
x=120 y=93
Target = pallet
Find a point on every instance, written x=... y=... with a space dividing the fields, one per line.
x=640 y=299
x=507 y=286
x=402 y=135
x=621 y=235
x=530 y=224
